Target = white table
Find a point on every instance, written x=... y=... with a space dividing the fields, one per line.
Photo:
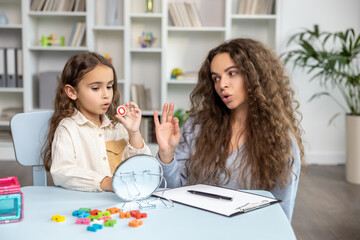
x=180 y=222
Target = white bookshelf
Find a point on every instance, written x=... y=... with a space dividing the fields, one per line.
x=176 y=47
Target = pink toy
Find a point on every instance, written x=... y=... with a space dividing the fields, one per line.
x=85 y=221
x=11 y=200
x=121 y=110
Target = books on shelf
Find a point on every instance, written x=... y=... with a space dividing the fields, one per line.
x=147 y=129
x=252 y=7
x=77 y=34
x=58 y=5
x=11 y=67
x=141 y=96
x=184 y=14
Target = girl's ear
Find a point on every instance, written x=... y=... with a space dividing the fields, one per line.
x=70 y=92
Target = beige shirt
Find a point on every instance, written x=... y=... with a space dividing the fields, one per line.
x=83 y=153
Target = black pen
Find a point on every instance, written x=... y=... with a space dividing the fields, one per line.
x=211 y=195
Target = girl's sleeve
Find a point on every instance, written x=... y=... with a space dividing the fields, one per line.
x=288 y=193
x=175 y=173
x=131 y=151
x=65 y=168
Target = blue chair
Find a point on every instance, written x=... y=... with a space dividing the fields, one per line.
x=29 y=131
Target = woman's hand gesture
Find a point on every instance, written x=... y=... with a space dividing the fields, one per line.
x=167 y=133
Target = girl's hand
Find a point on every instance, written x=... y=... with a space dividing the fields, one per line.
x=132 y=119
x=167 y=133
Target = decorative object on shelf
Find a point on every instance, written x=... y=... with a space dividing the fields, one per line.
x=338 y=65
x=181 y=115
x=176 y=73
x=147 y=39
x=149 y=6
x=47 y=41
x=107 y=56
x=3 y=18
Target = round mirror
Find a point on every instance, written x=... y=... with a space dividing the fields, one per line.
x=137 y=177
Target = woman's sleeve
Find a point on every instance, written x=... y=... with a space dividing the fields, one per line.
x=175 y=173
x=288 y=193
x=65 y=169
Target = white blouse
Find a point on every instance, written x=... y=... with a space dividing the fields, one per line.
x=83 y=154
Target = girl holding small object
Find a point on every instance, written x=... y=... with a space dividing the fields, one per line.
x=87 y=140
x=243 y=131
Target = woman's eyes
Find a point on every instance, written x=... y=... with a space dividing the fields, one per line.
x=215 y=79
x=231 y=73
x=110 y=87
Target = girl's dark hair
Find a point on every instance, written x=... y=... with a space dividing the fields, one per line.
x=271 y=121
x=75 y=69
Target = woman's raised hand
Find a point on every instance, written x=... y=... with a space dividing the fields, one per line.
x=167 y=133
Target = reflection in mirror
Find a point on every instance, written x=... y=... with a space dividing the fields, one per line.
x=136 y=178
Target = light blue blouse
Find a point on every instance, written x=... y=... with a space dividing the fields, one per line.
x=176 y=175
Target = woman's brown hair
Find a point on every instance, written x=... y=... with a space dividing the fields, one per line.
x=273 y=119
x=75 y=69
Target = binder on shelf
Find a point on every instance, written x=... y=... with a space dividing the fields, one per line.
x=4 y=64
x=19 y=68
x=2 y=68
x=11 y=79
x=220 y=200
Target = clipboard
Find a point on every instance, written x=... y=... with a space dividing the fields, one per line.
x=241 y=202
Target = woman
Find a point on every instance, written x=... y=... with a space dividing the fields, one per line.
x=243 y=132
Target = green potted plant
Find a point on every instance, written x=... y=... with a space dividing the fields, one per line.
x=333 y=59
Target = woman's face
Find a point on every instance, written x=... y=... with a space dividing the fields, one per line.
x=228 y=81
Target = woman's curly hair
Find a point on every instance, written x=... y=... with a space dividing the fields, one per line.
x=273 y=119
x=75 y=69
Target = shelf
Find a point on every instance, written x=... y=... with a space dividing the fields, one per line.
x=11 y=89
x=60 y=14
x=253 y=16
x=39 y=48
x=11 y=26
x=4 y=123
x=196 y=29
x=109 y=28
x=140 y=50
x=182 y=82
x=146 y=15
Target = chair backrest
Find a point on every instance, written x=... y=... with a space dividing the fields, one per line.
x=29 y=131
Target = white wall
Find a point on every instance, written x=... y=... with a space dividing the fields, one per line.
x=324 y=143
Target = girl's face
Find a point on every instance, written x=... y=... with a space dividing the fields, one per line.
x=94 y=93
x=228 y=81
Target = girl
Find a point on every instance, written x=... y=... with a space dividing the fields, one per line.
x=243 y=132
x=86 y=142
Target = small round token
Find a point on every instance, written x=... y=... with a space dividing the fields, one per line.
x=121 y=110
